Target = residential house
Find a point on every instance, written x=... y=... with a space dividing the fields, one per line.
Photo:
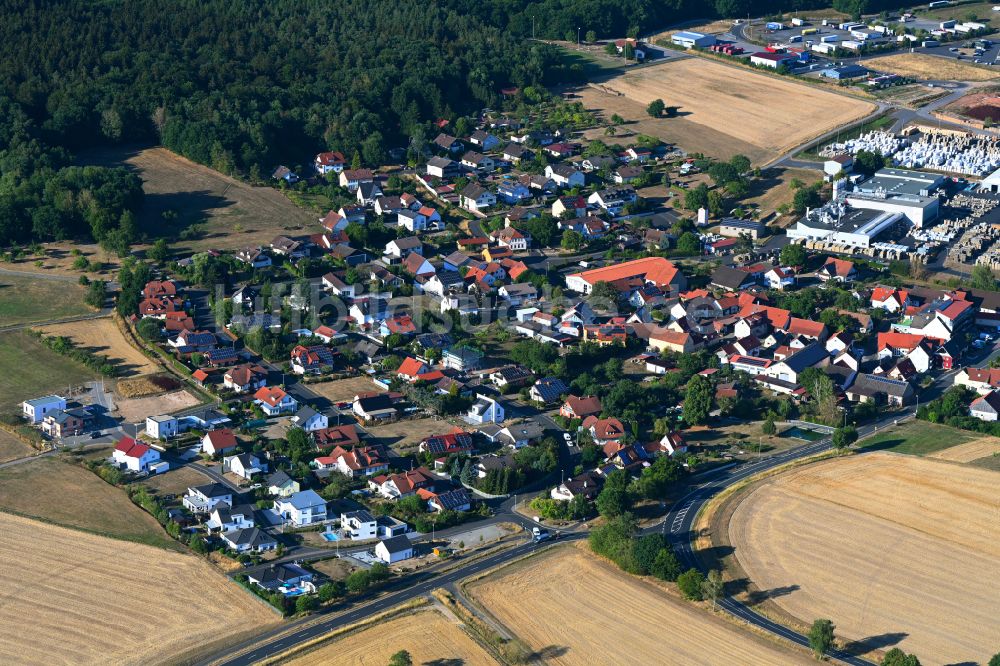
x=475 y=197
x=395 y=486
x=302 y=508
x=580 y=408
x=478 y=161
x=889 y=299
x=454 y=442
x=359 y=461
x=613 y=200
x=359 y=525
x=779 y=278
x=484 y=410
x=986 y=407
x=335 y=283
x=352 y=178
x=396 y=549
x=604 y=431
x=511 y=377
x=564 y=175
x=588 y=484
x=573 y=205
x=34 y=410
x=309 y=419
x=368 y=193
x=202 y=499
x=254 y=257
x=788 y=370
x=463 y=359
x=279 y=484
x=401 y=247
x=245 y=378
x=881 y=390
x=218 y=442
x=837 y=270
x=518 y=293
x=548 y=390
x=342 y=435
x=311 y=360
x=484 y=140
x=442 y=167
x=274 y=401
x=162 y=427
x=370 y=407
x=657 y=271
x=448 y=143
x=517 y=241
x=329 y=162
x=134 y=456
x=244 y=465
x=288 y=247
x=249 y=540
x=285 y=174
x=449 y=500
x=416 y=265
x=59 y=424
x=626 y=174
x=289 y=579
x=224 y=518
x=980 y=380
x=516 y=152
x=512 y=192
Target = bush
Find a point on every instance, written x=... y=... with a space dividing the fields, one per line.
x=690 y=584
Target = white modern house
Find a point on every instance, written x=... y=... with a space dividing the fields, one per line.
x=162 y=427
x=305 y=507
x=359 y=525
x=484 y=410
x=394 y=550
x=36 y=409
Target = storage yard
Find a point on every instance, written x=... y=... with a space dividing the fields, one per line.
x=940 y=150
x=739 y=102
x=872 y=542
x=577 y=593
x=77 y=598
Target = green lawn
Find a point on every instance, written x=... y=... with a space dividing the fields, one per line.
x=983 y=11
x=24 y=300
x=31 y=370
x=918 y=438
x=989 y=462
x=67 y=494
x=594 y=64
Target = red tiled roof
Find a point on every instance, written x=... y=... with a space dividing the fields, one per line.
x=894 y=340
x=131 y=448
x=221 y=439
x=657 y=270
x=812 y=329
x=272 y=395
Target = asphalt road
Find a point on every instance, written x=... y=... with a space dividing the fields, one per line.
x=678 y=524
x=279 y=640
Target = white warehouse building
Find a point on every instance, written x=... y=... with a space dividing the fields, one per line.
x=689 y=39
x=843 y=226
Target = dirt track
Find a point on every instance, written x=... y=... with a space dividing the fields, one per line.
x=894 y=549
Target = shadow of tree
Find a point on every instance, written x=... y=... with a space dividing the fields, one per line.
x=452 y=661
x=875 y=642
x=548 y=652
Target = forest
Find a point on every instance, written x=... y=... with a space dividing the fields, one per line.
x=243 y=86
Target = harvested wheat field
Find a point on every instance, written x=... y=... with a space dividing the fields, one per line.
x=11 y=447
x=877 y=541
x=576 y=593
x=344 y=390
x=76 y=598
x=928 y=67
x=102 y=336
x=974 y=450
x=772 y=114
x=427 y=635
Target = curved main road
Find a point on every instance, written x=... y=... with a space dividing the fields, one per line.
x=678 y=525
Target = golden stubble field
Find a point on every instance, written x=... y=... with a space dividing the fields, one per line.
x=102 y=336
x=427 y=635
x=75 y=598
x=580 y=610
x=771 y=114
x=923 y=66
x=894 y=549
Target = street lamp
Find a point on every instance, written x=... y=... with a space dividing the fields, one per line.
x=578 y=38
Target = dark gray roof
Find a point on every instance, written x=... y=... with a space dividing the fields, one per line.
x=728 y=277
x=397 y=544
x=806 y=357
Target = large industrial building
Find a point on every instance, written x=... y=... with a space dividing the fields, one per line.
x=689 y=39
x=842 y=225
x=909 y=193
